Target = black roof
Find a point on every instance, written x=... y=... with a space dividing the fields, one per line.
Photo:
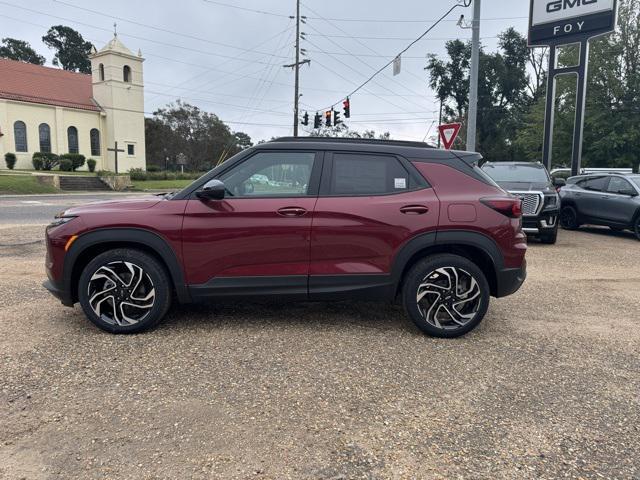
x=410 y=150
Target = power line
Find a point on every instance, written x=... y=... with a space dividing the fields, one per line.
x=262 y=12
x=164 y=44
x=371 y=20
x=159 y=29
x=433 y=39
x=401 y=52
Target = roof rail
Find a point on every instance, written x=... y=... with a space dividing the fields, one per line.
x=399 y=143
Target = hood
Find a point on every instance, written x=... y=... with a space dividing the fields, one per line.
x=132 y=203
x=526 y=186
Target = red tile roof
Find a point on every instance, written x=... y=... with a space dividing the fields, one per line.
x=35 y=84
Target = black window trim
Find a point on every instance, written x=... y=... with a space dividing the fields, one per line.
x=314 y=181
x=325 y=185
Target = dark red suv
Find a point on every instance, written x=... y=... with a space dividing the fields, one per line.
x=308 y=219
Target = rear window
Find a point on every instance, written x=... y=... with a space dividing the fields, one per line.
x=359 y=174
x=516 y=173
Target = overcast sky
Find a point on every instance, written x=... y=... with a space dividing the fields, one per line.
x=229 y=60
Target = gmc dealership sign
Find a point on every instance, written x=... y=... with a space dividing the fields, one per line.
x=554 y=22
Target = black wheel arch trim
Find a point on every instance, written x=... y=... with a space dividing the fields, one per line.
x=145 y=238
x=445 y=238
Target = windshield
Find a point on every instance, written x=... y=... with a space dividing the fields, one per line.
x=516 y=173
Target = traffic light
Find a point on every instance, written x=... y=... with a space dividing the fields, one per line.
x=317 y=120
x=305 y=119
x=327 y=117
x=347 y=108
x=336 y=118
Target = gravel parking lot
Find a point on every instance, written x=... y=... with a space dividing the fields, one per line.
x=547 y=387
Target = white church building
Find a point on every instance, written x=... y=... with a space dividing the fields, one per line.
x=46 y=109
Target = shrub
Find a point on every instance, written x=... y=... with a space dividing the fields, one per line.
x=154 y=168
x=10 y=159
x=91 y=163
x=46 y=161
x=138 y=175
x=66 y=165
x=76 y=160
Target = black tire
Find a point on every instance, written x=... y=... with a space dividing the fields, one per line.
x=142 y=304
x=550 y=238
x=636 y=228
x=426 y=320
x=569 y=218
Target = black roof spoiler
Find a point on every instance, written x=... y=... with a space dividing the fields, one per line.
x=470 y=158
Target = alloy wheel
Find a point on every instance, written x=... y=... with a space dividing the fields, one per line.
x=449 y=298
x=568 y=218
x=121 y=293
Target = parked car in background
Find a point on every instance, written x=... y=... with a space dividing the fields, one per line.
x=357 y=219
x=533 y=185
x=612 y=200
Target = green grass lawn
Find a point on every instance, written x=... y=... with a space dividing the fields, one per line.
x=168 y=185
x=22 y=184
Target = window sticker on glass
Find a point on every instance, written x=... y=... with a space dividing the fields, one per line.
x=400 y=183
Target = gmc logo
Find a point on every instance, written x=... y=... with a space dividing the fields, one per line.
x=557 y=5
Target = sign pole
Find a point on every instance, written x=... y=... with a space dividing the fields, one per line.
x=581 y=97
x=549 y=118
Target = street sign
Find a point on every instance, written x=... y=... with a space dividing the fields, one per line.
x=553 y=22
x=449 y=133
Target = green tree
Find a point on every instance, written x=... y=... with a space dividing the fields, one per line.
x=343 y=131
x=504 y=88
x=72 y=51
x=20 y=51
x=201 y=136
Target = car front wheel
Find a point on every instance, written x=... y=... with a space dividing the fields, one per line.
x=636 y=228
x=569 y=218
x=124 y=291
x=446 y=296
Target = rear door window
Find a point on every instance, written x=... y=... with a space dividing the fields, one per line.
x=595 y=184
x=355 y=174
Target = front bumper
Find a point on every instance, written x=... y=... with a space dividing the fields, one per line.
x=510 y=280
x=544 y=222
x=58 y=292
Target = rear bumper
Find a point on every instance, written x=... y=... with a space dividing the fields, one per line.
x=510 y=280
x=58 y=292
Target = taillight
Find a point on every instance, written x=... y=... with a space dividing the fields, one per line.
x=510 y=207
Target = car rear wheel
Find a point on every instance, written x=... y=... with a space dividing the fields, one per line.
x=569 y=218
x=124 y=291
x=446 y=296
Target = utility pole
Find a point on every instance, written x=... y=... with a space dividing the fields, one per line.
x=473 y=80
x=296 y=67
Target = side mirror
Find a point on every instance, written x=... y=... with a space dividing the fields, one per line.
x=559 y=182
x=212 y=190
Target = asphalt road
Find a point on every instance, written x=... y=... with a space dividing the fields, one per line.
x=36 y=209
x=547 y=387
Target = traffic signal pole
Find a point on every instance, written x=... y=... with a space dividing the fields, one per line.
x=296 y=67
x=296 y=100
x=473 y=87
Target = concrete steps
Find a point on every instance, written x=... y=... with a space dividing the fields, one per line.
x=76 y=183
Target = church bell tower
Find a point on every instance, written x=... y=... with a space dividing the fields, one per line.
x=118 y=88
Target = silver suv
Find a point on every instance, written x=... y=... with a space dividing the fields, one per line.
x=611 y=200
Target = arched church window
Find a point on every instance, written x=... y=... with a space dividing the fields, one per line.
x=20 y=134
x=126 y=73
x=45 y=138
x=101 y=72
x=95 y=142
x=72 y=137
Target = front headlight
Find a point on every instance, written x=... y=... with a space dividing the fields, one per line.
x=61 y=220
x=551 y=201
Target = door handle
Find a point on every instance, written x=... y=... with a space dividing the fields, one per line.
x=292 y=212
x=414 y=210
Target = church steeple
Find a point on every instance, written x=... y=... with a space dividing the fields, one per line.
x=118 y=88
